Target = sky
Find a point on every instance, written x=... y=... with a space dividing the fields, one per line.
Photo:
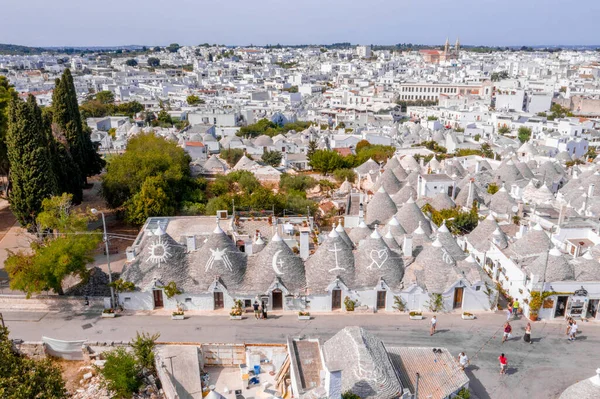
x=260 y=22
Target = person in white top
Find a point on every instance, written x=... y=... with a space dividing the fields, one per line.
x=433 y=325
x=573 y=331
x=463 y=360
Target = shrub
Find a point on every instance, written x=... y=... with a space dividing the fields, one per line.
x=350 y=304
x=121 y=373
x=436 y=302
x=303 y=313
x=171 y=290
x=143 y=347
x=399 y=304
x=342 y=174
x=416 y=313
x=350 y=395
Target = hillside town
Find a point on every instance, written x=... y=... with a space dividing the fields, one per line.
x=307 y=183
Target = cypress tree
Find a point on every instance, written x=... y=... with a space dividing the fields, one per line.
x=6 y=93
x=64 y=167
x=29 y=156
x=67 y=122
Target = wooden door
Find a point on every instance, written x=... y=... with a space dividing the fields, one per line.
x=381 y=299
x=218 y=297
x=277 y=300
x=158 y=298
x=458 y=297
x=336 y=299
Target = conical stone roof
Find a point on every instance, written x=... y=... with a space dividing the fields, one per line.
x=375 y=261
x=409 y=216
x=381 y=208
x=220 y=259
x=275 y=261
x=389 y=181
x=161 y=258
x=332 y=259
x=359 y=233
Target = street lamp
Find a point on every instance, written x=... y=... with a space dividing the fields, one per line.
x=112 y=291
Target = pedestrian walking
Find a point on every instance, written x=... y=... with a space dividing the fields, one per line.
x=256 y=310
x=433 y=326
x=264 y=311
x=507 y=330
x=569 y=324
x=515 y=307
x=508 y=312
x=503 y=363
x=573 y=331
x=527 y=336
x=463 y=360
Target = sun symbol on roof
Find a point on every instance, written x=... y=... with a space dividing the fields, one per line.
x=159 y=252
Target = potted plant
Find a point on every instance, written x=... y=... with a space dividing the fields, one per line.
x=415 y=315
x=468 y=316
x=106 y=313
x=178 y=315
x=349 y=304
x=302 y=315
x=236 y=310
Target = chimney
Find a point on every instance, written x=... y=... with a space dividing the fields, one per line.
x=522 y=231
x=477 y=166
x=470 y=197
x=333 y=384
x=304 y=232
x=419 y=185
x=591 y=190
x=407 y=246
x=248 y=247
x=191 y=243
x=561 y=215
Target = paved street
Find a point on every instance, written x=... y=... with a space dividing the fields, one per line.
x=542 y=370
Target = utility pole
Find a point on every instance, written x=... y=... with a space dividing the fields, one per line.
x=112 y=290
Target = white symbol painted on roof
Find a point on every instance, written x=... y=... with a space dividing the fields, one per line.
x=159 y=252
x=275 y=262
x=218 y=254
x=378 y=257
x=335 y=250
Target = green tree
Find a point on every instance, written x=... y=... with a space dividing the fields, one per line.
x=121 y=372
x=492 y=188
x=30 y=159
x=105 y=97
x=173 y=47
x=7 y=92
x=153 y=199
x=524 y=133
x=143 y=348
x=67 y=121
x=342 y=174
x=232 y=156
x=297 y=183
x=341 y=125
x=272 y=158
x=477 y=137
x=362 y=145
x=312 y=147
x=153 y=62
x=194 y=100
x=65 y=252
x=147 y=155
x=131 y=62
x=23 y=378
x=326 y=161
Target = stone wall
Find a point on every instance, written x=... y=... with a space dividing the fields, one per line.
x=33 y=350
x=46 y=303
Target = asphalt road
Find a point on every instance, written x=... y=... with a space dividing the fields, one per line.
x=541 y=370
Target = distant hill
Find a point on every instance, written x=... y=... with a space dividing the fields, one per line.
x=15 y=49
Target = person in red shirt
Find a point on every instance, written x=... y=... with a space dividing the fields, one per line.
x=507 y=331
x=503 y=363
